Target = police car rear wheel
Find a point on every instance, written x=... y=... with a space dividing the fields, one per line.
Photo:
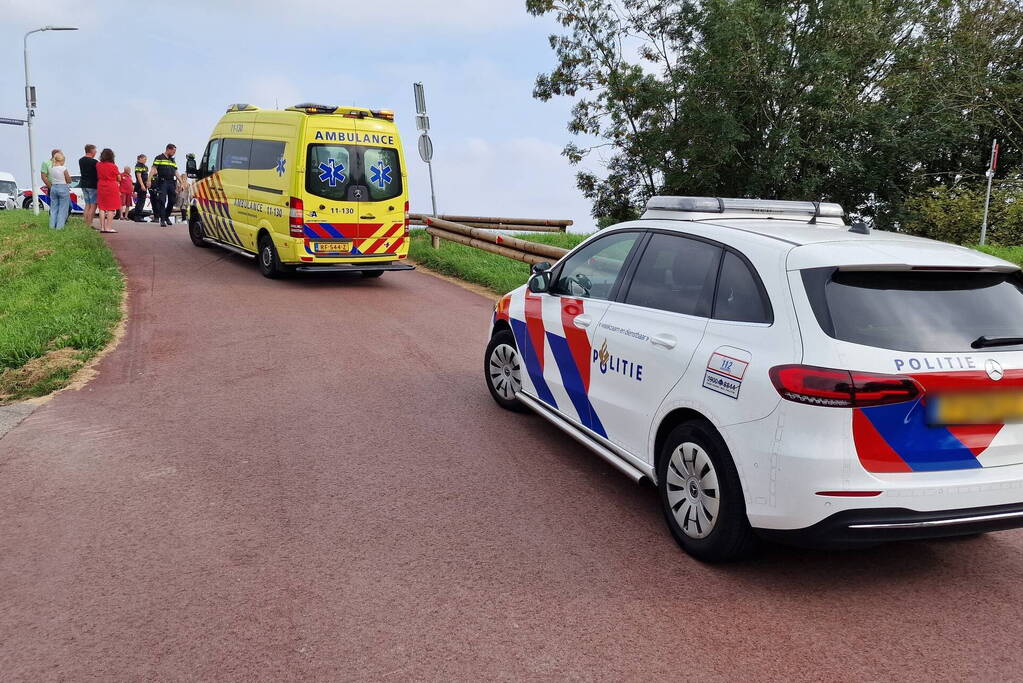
x=196 y=233
x=701 y=495
x=269 y=263
x=502 y=369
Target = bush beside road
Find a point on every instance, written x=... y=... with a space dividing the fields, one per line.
x=59 y=304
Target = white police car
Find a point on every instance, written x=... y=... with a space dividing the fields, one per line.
x=777 y=373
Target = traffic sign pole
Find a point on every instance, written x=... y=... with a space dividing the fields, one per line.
x=425 y=146
x=987 y=200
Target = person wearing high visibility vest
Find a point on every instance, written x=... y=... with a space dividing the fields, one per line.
x=163 y=181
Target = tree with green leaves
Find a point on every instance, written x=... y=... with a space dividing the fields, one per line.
x=863 y=102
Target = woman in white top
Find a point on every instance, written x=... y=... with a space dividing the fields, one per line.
x=60 y=192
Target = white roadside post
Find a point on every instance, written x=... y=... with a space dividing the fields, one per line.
x=30 y=107
x=987 y=200
x=425 y=146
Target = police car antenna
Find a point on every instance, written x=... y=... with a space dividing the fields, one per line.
x=816 y=211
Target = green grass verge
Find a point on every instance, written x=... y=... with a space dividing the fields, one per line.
x=495 y=272
x=1014 y=254
x=59 y=303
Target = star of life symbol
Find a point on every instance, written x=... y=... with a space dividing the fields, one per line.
x=332 y=173
x=380 y=175
x=280 y=166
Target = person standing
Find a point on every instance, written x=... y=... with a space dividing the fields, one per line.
x=184 y=195
x=109 y=190
x=59 y=181
x=126 y=192
x=164 y=177
x=141 y=183
x=88 y=182
x=44 y=168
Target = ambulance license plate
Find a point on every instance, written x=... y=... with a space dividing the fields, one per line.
x=332 y=247
x=996 y=407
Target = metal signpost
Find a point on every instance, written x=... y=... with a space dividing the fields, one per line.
x=30 y=106
x=987 y=201
x=12 y=122
x=425 y=145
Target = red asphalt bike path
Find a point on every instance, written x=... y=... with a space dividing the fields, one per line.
x=307 y=479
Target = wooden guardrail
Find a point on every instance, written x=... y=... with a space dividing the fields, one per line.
x=495 y=243
x=490 y=223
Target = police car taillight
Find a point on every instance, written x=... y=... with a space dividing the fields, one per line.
x=841 y=388
x=296 y=219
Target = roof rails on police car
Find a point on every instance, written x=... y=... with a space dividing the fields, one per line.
x=767 y=207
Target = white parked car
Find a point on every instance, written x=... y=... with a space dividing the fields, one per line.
x=8 y=191
x=777 y=373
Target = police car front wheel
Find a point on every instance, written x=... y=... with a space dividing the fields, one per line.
x=701 y=495
x=502 y=370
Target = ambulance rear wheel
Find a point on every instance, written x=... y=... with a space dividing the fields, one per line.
x=372 y=273
x=269 y=262
x=196 y=233
x=502 y=369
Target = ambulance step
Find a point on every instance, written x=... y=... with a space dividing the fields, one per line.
x=229 y=247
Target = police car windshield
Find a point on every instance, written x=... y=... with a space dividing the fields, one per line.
x=353 y=172
x=8 y=187
x=930 y=312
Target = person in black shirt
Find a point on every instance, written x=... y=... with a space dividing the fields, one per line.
x=88 y=183
x=141 y=183
x=164 y=180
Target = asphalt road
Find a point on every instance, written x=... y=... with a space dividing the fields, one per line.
x=308 y=479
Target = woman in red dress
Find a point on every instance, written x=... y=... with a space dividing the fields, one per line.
x=108 y=190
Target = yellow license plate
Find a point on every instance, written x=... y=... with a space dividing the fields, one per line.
x=332 y=247
x=995 y=407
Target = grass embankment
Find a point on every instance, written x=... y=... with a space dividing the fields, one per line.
x=495 y=272
x=60 y=299
x=1014 y=254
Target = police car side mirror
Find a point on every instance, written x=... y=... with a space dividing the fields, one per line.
x=540 y=281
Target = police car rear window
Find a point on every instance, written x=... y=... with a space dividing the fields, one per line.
x=930 y=312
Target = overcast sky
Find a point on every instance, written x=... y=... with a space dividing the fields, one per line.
x=134 y=79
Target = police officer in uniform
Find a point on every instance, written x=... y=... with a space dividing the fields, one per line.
x=141 y=183
x=164 y=183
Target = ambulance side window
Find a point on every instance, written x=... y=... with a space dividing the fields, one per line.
x=265 y=154
x=211 y=159
x=236 y=153
x=593 y=271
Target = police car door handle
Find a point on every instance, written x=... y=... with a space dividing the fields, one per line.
x=582 y=321
x=665 y=340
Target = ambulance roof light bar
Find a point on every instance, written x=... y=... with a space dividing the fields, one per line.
x=242 y=107
x=767 y=207
x=313 y=108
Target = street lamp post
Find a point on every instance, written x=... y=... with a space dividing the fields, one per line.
x=30 y=105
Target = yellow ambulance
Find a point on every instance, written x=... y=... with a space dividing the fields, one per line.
x=310 y=187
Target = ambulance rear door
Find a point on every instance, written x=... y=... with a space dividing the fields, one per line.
x=382 y=188
x=332 y=190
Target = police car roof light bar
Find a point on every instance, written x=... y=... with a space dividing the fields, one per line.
x=768 y=207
